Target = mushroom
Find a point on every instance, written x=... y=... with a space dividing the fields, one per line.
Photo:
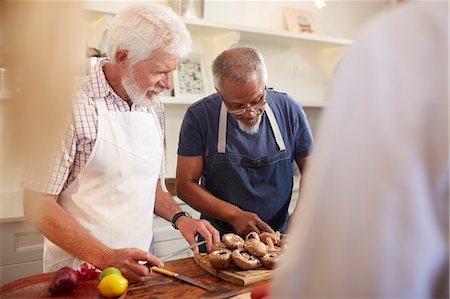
x=270 y=260
x=232 y=241
x=217 y=246
x=275 y=237
x=220 y=259
x=254 y=246
x=271 y=247
x=244 y=260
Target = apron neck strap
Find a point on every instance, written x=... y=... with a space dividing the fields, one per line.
x=222 y=138
x=275 y=127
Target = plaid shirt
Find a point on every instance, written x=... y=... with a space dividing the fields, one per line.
x=82 y=131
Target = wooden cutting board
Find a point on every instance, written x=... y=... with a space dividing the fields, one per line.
x=233 y=274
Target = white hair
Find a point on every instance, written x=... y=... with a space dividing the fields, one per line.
x=140 y=29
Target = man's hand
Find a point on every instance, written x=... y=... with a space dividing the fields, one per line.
x=190 y=227
x=245 y=222
x=126 y=260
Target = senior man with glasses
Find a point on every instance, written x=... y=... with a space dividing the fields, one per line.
x=240 y=144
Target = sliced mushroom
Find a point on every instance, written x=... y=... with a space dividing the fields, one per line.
x=254 y=246
x=218 y=246
x=252 y=235
x=275 y=237
x=244 y=260
x=232 y=241
x=270 y=260
x=220 y=259
x=271 y=247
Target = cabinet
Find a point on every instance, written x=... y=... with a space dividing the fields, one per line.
x=22 y=244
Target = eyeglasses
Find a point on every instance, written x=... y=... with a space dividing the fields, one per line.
x=257 y=108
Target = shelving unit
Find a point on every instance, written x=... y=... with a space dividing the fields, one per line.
x=299 y=64
x=280 y=37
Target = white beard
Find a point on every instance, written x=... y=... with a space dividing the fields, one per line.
x=250 y=129
x=137 y=97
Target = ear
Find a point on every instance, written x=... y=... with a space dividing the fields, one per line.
x=121 y=57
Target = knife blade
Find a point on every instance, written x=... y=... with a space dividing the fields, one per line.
x=182 y=278
x=164 y=258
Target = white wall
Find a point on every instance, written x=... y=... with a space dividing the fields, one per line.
x=338 y=18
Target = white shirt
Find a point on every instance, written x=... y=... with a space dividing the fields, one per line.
x=373 y=218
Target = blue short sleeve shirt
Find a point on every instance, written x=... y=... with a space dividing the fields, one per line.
x=199 y=131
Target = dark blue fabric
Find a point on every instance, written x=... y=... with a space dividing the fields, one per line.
x=198 y=135
x=262 y=186
x=253 y=173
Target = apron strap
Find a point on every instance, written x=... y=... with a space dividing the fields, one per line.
x=222 y=138
x=275 y=127
x=163 y=162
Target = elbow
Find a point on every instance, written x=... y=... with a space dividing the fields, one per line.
x=36 y=205
x=180 y=188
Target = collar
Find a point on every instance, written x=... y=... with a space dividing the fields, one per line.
x=99 y=85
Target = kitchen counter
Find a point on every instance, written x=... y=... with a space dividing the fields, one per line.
x=11 y=207
x=159 y=286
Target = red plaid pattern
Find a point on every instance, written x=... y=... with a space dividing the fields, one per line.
x=82 y=132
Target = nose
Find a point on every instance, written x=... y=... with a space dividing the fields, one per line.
x=166 y=81
x=250 y=113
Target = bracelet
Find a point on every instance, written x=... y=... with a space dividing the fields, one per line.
x=178 y=215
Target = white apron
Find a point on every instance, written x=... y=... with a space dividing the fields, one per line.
x=113 y=196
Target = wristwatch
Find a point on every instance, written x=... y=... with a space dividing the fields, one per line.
x=178 y=215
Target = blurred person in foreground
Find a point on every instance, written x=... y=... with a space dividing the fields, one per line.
x=374 y=223
x=35 y=108
x=98 y=203
x=241 y=143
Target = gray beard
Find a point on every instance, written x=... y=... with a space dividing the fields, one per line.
x=250 y=129
x=135 y=96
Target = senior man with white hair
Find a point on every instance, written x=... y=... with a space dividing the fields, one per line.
x=97 y=205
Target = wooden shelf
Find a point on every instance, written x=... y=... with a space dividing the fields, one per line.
x=191 y=100
x=279 y=37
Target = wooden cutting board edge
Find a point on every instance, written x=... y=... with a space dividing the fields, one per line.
x=240 y=278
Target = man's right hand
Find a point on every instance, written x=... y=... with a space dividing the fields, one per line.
x=246 y=222
x=127 y=261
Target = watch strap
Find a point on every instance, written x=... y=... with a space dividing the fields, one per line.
x=178 y=215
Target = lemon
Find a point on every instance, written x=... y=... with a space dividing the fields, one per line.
x=109 y=271
x=112 y=285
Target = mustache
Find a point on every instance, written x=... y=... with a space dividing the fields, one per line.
x=156 y=89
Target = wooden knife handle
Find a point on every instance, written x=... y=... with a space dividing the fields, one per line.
x=163 y=271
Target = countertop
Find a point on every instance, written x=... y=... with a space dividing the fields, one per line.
x=11 y=207
x=159 y=286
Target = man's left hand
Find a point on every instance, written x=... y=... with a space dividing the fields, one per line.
x=190 y=227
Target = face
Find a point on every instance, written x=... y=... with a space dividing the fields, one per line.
x=144 y=81
x=245 y=102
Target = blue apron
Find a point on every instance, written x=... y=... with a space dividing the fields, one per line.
x=262 y=186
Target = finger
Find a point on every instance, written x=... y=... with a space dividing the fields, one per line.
x=153 y=260
x=204 y=232
x=264 y=227
x=133 y=274
x=214 y=232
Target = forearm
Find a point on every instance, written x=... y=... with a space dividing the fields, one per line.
x=202 y=200
x=165 y=205
x=61 y=228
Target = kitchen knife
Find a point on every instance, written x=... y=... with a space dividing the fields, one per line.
x=183 y=278
x=164 y=258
